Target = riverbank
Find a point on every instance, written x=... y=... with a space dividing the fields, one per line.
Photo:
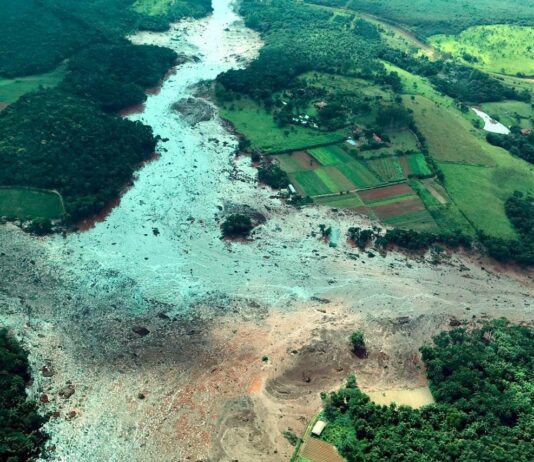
x=161 y=327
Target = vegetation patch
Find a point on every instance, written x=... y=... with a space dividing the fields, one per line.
x=12 y=89
x=497 y=48
x=27 y=204
x=480 y=413
x=440 y=126
x=21 y=438
x=415 y=165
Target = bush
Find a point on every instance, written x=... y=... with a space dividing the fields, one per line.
x=237 y=225
x=20 y=436
x=273 y=176
x=358 y=344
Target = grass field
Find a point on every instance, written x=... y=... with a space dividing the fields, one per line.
x=415 y=164
x=258 y=126
x=497 y=48
x=25 y=203
x=351 y=200
x=388 y=168
x=415 y=85
x=13 y=89
x=330 y=155
x=511 y=113
x=480 y=192
x=450 y=137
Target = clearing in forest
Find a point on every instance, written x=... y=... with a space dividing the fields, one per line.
x=27 y=203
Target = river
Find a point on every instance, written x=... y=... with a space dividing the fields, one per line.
x=158 y=262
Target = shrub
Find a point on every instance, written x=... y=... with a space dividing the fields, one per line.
x=237 y=225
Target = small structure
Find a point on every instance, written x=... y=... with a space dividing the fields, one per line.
x=526 y=131
x=318 y=427
x=292 y=189
x=321 y=104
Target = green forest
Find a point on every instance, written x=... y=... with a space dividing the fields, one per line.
x=481 y=381
x=48 y=137
x=20 y=436
x=429 y=17
x=328 y=72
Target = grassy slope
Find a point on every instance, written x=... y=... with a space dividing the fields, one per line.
x=450 y=137
x=499 y=48
x=13 y=89
x=26 y=203
x=511 y=113
x=258 y=126
x=429 y=17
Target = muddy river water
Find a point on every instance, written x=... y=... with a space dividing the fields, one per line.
x=126 y=312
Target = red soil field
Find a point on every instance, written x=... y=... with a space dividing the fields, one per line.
x=306 y=161
x=385 y=192
x=399 y=208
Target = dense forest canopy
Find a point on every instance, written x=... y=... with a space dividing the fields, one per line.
x=37 y=35
x=55 y=141
x=115 y=75
x=59 y=139
x=20 y=423
x=482 y=382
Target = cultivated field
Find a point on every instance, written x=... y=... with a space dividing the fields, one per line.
x=415 y=165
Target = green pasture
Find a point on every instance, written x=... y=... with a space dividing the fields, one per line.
x=497 y=48
x=480 y=192
x=511 y=113
x=13 y=89
x=351 y=200
x=450 y=137
x=388 y=168
x=330 y=155
x=23 y=203
x=258 y=126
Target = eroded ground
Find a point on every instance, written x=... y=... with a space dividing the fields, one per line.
x=152 y=339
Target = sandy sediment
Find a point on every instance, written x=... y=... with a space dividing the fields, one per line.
x=154 y=339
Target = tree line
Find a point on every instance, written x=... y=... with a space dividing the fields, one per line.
x=481 y=381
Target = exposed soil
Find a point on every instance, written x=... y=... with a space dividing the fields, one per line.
x=386 y=191
x=395 y=209
x=153 y=339
x=306 y=161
